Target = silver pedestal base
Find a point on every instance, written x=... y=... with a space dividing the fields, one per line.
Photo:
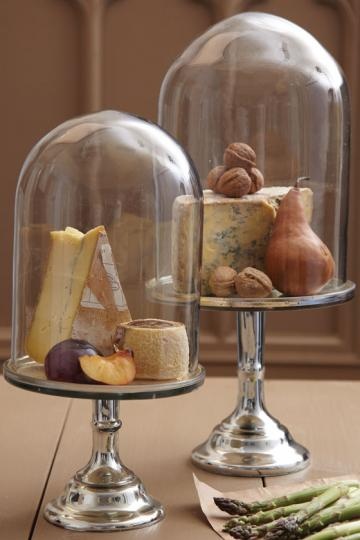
x=255 y=446
x=98 y=508
x=250 y=442
x=104 y=495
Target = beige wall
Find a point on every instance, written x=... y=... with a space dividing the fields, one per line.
x=61 y=58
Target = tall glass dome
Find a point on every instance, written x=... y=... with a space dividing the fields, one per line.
x=262 y=81
x=96 y=263
x=263 y=110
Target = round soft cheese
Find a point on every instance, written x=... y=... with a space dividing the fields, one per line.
x=160 y=348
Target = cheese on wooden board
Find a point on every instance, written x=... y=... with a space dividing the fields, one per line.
x=235 y=231
x=160 y=348
x=81 y=296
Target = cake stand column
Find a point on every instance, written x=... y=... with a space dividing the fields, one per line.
x=104 y=495
x=250 y=442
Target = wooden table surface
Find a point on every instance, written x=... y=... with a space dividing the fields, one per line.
x=44 y=440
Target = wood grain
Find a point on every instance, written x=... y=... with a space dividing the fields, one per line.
x=156 y=441
x=30 y=428
x=322 y=417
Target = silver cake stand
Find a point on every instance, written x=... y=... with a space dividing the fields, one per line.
x=104 y=495
x=251 y=442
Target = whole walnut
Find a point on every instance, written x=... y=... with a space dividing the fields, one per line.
x=233 y=183
x=252 y=283
x=214 y=176
x=221 y=281
x=239 y=155
x=257 y=180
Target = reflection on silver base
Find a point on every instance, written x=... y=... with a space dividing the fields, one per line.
x=250 y=442
x=252 y=446
x=83 y=507
x=104 y=495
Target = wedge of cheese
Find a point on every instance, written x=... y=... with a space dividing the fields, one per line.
x=184 y=243
x=81 y=295
x=235 y=232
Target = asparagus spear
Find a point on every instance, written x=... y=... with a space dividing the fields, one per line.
x=245 y=532
x=240 y=508
x=331 y=515
x=263 y=516
x=268 y=516
x=289 y=526
x=353 y=492
x=347 y=530
x=351 y=498
x=347 y=509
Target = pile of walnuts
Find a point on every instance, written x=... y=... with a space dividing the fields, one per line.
x=239 y=175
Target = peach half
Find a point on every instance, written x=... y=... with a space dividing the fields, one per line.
x=118 y=368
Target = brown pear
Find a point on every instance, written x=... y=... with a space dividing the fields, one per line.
x=297 y=261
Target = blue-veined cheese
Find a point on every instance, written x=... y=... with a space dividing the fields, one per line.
x=235 y=232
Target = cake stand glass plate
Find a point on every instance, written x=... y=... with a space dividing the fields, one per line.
x=333 y=293
x=93 y=225
x=27 y=374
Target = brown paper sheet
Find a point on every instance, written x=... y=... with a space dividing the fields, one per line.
x=217 y=518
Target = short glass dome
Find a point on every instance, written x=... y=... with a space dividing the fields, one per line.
x=260 y=103
x=96 y=267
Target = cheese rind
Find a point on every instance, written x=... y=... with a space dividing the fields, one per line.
x=235 y=232
x=184 y=257
x=55 y=310
x=160 y=348
x=68 y=306
x=103 y=304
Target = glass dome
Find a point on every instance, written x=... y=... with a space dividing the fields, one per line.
x=260 y=103
x=96 y=266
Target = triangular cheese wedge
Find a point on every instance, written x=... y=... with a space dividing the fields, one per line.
x=81 y=296
x=103 y=305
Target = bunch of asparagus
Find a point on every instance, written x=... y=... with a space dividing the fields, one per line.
x=323 y=512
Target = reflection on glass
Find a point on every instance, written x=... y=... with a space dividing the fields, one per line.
x=98 y=255
x=262 y=82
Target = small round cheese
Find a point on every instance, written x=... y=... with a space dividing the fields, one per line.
x=160 y=348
